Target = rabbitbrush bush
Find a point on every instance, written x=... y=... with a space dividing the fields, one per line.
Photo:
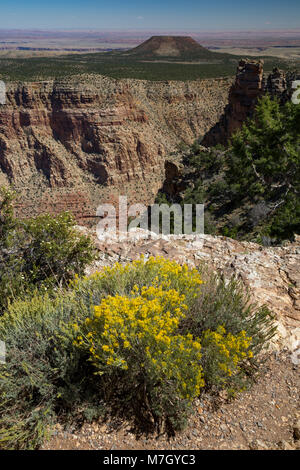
x=141 y=340
x=160 y=370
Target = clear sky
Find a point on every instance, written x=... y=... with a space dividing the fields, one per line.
x=197 y=15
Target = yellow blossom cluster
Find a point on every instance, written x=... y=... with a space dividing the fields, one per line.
x=229 y=349
x=138 y=332
x=157 y=271
x=167 y=272
x=136 y=328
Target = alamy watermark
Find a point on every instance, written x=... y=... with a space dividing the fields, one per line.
x=157 y=219
x=2 y=92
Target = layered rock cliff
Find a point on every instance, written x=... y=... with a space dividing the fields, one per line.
x=250 y=84
x=76 y=143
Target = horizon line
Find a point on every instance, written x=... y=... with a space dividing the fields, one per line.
x=120 y=30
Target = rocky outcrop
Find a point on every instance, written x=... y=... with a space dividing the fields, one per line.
x=75 y=143
x=250 y=84
x=276 y=84
x=271 y=274
x=243 y=95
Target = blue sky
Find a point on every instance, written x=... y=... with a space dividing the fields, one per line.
x=197 y=15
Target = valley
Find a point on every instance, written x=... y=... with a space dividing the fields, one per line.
x=158 y=58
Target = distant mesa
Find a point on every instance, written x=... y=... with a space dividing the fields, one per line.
x=171 y=46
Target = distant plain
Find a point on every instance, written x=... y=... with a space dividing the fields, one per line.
x=40 y=55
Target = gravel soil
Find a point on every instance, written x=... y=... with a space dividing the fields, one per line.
x=265 y=417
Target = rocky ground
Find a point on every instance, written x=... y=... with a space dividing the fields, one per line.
x=265 y=417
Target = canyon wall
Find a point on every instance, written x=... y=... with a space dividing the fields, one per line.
x=76 y=143
x=250 y=84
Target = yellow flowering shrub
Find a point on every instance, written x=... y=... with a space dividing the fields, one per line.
x=136 y=355
x=143 y=336
x=138 y=333
x=138 y=337
x=156 y=271
x=224 y=354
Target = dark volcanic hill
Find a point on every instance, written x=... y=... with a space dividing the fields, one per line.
x=177 y=47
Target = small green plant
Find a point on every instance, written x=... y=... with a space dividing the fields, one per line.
x=43 y=252
x=55 y=251
x=44 y=374
x=156 y=271
x=228 y=303
x=263 y=162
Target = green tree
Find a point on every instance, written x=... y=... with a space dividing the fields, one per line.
x=263 y=163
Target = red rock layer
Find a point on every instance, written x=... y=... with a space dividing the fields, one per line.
x=74 y=144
